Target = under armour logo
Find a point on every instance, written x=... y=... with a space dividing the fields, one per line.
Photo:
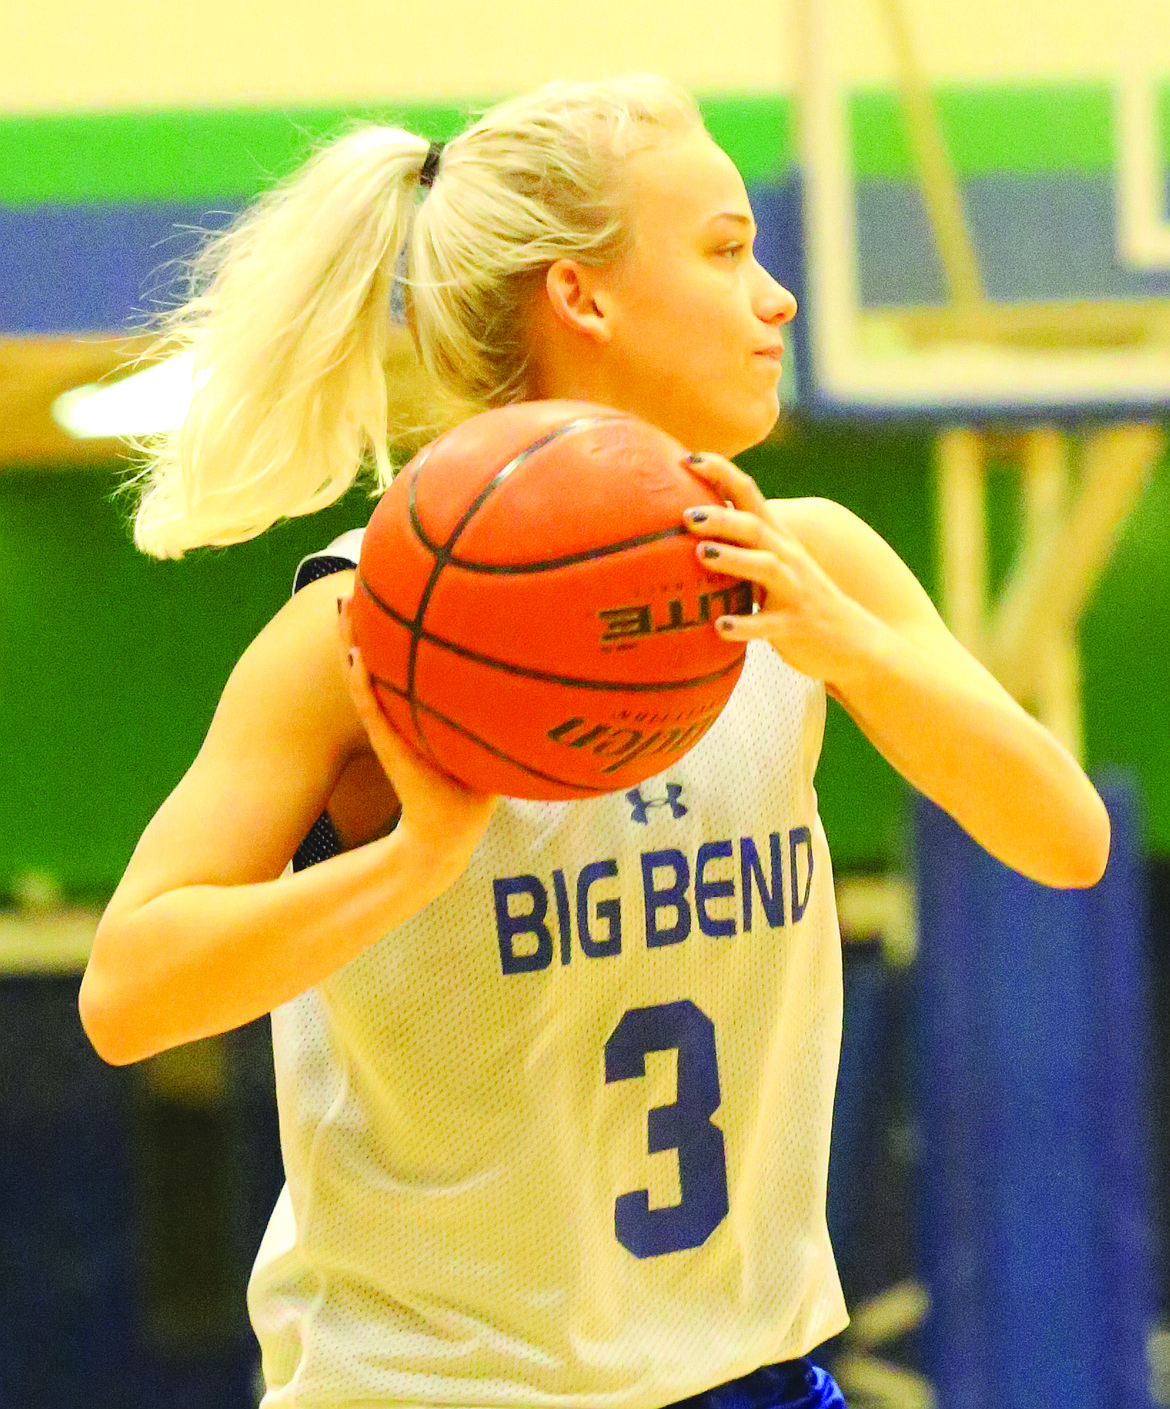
x=642 y=805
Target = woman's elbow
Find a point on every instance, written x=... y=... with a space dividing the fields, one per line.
x=1088 y=859
x=95 y=1022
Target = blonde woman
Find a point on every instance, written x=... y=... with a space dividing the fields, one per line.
x=555 y=1080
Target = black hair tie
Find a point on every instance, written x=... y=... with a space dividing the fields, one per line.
x=431 y=165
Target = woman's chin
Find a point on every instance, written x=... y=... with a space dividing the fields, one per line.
x=763 y=423
x=750 y=421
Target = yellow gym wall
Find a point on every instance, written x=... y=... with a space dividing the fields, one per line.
x=128 y=53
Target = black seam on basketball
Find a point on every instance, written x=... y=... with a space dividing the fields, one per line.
x=443 y=553
x=491 y=748
x=587 y=555
x=387 y=608
x=528 y=673
x=415 y=521
x=420 y=460
x=622 y=686
x=423 y=456
x=412 y=507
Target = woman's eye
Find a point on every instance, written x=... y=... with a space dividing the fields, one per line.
x=731 y=249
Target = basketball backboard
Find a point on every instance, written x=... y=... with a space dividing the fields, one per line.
x=981 y=249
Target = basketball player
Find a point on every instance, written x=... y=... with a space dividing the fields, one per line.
x=555 y=1079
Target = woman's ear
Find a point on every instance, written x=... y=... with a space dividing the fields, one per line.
x=578 y=299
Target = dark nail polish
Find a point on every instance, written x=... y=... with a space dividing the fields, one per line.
x=697 y=515
x=710 y=550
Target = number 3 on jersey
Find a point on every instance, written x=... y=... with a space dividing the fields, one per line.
x=684 y=1126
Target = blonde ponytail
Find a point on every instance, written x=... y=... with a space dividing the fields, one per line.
x=290 y=324
x=289 y=336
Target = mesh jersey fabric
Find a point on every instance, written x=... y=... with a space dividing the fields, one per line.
x=562 y=1137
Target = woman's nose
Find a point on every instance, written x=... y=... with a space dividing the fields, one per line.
x=786 y=302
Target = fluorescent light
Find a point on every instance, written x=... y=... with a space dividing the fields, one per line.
x=155 y=399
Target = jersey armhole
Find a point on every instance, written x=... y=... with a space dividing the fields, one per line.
x=321 y=841
x=320 y=565
x=342 y=553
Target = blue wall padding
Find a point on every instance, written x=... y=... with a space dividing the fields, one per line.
x=67 y=269
x=1034 y=1206
x=779 y=211
x=91 y=267
x=105 y=268
x=76 y=1242
x=1049 y=235
x=67 y=1197
x=866 y=1081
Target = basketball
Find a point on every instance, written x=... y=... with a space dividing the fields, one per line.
x=531 y=608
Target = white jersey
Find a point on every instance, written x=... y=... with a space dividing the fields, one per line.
x=562 y=1138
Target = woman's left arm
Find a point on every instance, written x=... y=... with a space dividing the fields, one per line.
x=838 y=604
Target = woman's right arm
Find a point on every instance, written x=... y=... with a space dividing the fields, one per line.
x=204 y=932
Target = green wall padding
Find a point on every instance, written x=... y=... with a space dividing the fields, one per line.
x=112 y=664
x=233 y=154
x=1022 y=129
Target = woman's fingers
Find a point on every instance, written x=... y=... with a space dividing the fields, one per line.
x=741 y=538
x=361 y=688
x=447 y=815
x=768 y=570
x=729 y=482
x=344 y=628
x=738 y=527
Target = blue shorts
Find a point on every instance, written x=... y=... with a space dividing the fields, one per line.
x=792 y=1384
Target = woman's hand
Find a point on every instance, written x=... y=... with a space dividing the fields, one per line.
x=443 y=814
x=924 y=702
x=811 y=622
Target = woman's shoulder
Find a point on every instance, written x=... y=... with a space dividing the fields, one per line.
x=810 y=515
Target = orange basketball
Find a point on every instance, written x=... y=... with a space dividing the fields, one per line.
x=531 y=608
